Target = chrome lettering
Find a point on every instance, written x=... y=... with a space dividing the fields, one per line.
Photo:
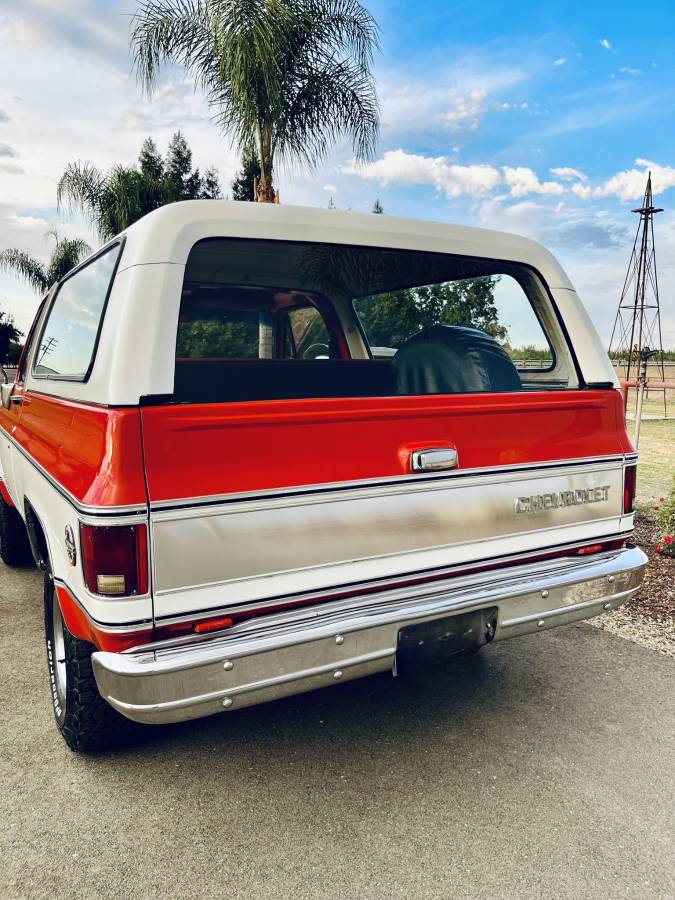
x=560 y=499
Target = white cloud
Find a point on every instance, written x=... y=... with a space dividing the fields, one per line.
x=630 y=184
x=400 y=167
x=606 y=44
x=330 y=188
x=480 y=180
x=582 y=190
x=456 y=96
x=560 y=61
x=524 y=181
x=467 y=110
x=6 y=150
x=629 y=70
x=567 y=173
x=475 y=180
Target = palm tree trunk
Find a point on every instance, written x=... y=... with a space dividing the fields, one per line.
x=265 y=192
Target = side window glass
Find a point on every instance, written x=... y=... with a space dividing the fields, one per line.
x=30 y=343
x=69 y=337
x=309 y=335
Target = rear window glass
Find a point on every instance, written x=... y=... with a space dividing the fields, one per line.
x=264 y=319
x=68 y=340
x=496 y=305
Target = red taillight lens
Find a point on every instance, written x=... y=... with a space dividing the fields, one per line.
x=212 y=625
x=629 y=484
x=115 y=559
x=591 y=548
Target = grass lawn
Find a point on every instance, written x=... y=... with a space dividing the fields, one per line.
x=656 y=467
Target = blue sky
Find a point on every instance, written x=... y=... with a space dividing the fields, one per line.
x=539 y=119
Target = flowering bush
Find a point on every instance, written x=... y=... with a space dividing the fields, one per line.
x=666 y=511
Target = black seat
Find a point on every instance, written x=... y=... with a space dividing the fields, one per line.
x=448 y=359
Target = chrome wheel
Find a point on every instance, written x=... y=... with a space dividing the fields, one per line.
x=60 y=674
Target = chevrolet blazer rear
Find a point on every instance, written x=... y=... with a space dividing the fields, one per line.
x=259 y=450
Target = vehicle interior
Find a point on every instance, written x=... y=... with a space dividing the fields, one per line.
x=272 y=320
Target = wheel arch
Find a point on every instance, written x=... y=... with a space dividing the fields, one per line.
x=37 y=537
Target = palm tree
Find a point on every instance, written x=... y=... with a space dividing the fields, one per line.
x=286 y=77
x=111 y=200
x=66 y=254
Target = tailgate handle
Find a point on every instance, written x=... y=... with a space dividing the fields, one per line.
x=433 y=460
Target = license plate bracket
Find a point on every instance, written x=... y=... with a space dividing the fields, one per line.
x=439 y=640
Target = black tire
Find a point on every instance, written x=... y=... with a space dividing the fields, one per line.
x=88 y=724
x=14 y=544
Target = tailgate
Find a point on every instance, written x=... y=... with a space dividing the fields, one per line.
x=251 y=502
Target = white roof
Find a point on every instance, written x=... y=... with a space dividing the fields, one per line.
x=136 y=350
x=168 y=234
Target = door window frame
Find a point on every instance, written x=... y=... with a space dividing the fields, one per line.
x=81 y=379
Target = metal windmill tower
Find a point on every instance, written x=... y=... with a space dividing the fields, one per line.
x=637 y=327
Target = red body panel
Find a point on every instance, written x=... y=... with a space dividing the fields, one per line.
x=237 y=447
x=208 y=449
x=4 y=493
x=81 y=626
x=93 y=452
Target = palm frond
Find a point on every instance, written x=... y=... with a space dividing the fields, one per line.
x=66 y=254
x=82 y=188
x=25 y=266
x=173 y=30
x=293 y=74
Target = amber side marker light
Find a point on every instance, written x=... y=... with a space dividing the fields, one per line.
x=115 y=559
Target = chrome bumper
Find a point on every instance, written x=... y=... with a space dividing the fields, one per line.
x=300 y=650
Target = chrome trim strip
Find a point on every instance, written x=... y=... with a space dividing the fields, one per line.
x=378 y=488
x=216 y=499
x=100 y=511
x=120 y=519
x=262 y=661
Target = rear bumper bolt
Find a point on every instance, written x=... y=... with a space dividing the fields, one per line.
x=337 y=674
x=544 y=594
x=339 y=639
x=227 y=702
x=610 y=578
x=540 y=623
x=606 y=605
x=228 y=665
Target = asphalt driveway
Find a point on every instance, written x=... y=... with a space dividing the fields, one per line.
x=542 y=768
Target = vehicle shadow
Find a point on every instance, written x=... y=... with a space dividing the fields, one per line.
x=461 y=696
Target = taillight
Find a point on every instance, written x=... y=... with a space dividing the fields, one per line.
x=589 y=549
x=115 y=559
x=629 y=484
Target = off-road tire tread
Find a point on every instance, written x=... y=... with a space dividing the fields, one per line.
x=14 y=543
x=91 y=725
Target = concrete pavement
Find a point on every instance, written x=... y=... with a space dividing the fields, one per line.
x=542 y=768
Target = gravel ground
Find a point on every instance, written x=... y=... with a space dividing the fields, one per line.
x=649 y=618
